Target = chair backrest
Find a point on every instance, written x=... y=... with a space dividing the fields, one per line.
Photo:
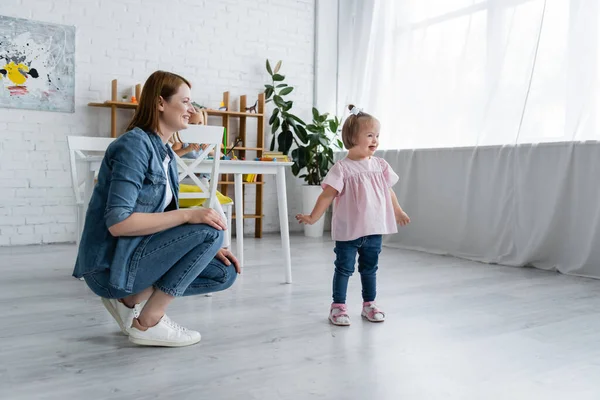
x=79 y=148
x=211 y=136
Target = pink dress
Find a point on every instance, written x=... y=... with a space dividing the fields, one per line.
x=363 y=205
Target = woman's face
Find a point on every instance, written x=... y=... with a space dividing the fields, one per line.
x=176 y=111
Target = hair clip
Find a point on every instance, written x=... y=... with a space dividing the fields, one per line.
x=355 y=110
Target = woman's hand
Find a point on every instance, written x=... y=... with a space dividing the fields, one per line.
x=206 y=216
x=226 y=257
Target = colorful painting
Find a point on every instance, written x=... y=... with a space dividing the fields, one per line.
x=37 y=65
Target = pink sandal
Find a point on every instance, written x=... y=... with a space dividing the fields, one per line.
x=338 y=315
x=372 y=313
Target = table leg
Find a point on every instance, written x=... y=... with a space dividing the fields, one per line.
x=239 y=218
x=283 y=223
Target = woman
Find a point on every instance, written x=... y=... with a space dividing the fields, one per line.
x=138 y=251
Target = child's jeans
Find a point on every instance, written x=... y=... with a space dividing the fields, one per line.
x=368 y=249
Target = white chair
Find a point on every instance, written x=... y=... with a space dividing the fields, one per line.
x=213 y=137
x=80 y=148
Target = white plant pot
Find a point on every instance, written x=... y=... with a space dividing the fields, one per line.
x=310 y=194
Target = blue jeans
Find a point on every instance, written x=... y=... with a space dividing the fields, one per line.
x=178 y=261
x=368 y=249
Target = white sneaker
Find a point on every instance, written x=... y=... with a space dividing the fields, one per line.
x=166 y=333
x=121 y=313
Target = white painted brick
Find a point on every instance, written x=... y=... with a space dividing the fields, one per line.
x=58 y=237
x=47 y=182
x=8 y=230
x=67 y=218
x=18 y=146
x=12 y=221
x=41 y=219
x=30 y=193
x=25 y=230
x=57 y=228
x=58 y=210
x=41 y=229
x=18 y=240
x=6 y=194
x=13 y=183
x=27 y=211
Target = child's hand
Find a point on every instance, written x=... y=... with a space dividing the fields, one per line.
x=402 y=218
x=305 y=219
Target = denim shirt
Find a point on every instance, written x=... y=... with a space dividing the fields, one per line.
x=131 y=179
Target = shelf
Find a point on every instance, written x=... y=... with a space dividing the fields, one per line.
x=249 y=216
x=243 y=183
x=233 y=113
x=117 y=104
x=247 y=148
x=129 y=105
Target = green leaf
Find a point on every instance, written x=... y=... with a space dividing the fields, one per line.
x=269 y=70
x=323 y=118
x=302 y=158
x=295 y=169
x=301 y=133
x=324 y=163
x=273 y=116
x=272 y=148
x=285 y=140
x=298 y=120
x=275 y=125
x=340 y=144
x=290 y=121
x=277 y=66
x=332 y=126
x=288 y=105
x=268 y=93
x=285 y=91
x=277 y=77
x=281 y=85
x=314 y=140
x=279 y=101
x=315 y=114
x=269 y=86
x=312 y=128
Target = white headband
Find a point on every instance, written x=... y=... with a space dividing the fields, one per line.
x=355 y=110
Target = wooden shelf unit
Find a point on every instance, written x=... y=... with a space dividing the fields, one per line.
x=241 y=151
x=226 y=179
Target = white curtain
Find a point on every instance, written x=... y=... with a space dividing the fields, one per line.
x=489 y=114
x=451 y=73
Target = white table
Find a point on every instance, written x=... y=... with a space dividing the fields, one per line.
x=237 y=168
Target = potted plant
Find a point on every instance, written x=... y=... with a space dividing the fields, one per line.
x=312 y=161
x=314 y=142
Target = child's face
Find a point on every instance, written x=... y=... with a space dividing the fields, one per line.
x=367 y=139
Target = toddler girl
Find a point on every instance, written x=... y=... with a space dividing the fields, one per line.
x=365 y=209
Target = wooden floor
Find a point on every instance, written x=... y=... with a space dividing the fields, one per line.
x=455 y=330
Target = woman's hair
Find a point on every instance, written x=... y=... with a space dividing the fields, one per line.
x=159 y=84
x=352 y=125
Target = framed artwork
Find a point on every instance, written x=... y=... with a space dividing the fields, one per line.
x=37 y=65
